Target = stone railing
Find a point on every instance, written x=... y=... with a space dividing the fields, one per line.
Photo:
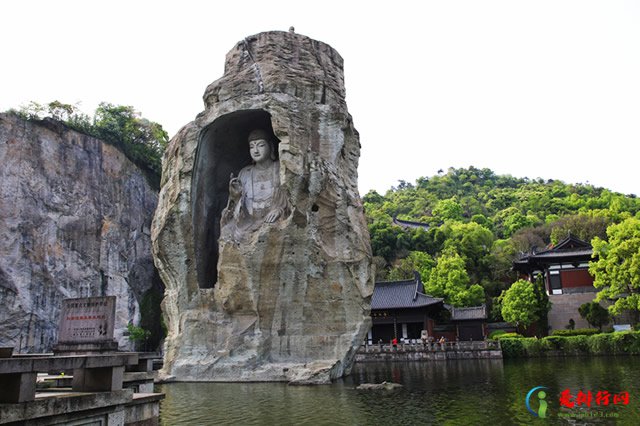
x=434 y=346
x=91 y=373
x=414 y=351
x=97 y=389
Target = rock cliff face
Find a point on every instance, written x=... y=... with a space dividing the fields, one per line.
x=283 y=301
x=75 y=219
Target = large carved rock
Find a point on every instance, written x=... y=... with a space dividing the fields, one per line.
x=75 y=219
x=281 y=301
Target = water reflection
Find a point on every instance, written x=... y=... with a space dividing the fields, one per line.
x=444 y=392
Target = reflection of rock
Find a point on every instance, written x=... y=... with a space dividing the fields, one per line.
x=291 y=303
x=75 y=218
x=385 y=386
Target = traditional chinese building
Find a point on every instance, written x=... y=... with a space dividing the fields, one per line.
x=470 y=322
x=565 y=269
x=402 y=310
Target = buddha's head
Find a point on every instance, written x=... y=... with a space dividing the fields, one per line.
x=261 y=146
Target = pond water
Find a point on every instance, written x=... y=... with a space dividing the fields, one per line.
x=465 y=392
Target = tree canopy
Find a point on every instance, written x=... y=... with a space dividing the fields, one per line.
x=487 y=220
x=519 y=304
x=449 y=279
x=596 y=315
x=617 y=268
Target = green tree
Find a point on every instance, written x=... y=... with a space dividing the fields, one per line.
x=473 y=242
x=60 y=111
x=511 y=219
x=543 y=305
x=384 y=237
x=142 y=140
x=594 y=314
x=503 y=253
x=584 y=226
x=448 y=209
x=519 y=304
x=416 y=261
x=449 y=279
x=138 y=335
x=616 y=270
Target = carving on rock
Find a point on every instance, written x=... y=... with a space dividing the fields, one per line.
x=263 y=247
x=255 y=195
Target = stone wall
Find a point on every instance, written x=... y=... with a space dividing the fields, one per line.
x=430 y=352
x=291 y=300
x=75 y=219
x=565 y=307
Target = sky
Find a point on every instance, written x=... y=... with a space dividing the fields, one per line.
x=544 y=89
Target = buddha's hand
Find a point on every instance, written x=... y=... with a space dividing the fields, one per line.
x=273 y=215
x=235 y=187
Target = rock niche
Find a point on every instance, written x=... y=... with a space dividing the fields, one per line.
x=260 y=235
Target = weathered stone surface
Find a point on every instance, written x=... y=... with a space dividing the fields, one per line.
x=384 y=386
x=75 y=219
x=285 y=301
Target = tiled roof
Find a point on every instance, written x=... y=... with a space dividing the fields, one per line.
x=550 y=254
x=570 y=243
x=471 y=313
x=410 y=223
x=401 y=294
x=571 y=249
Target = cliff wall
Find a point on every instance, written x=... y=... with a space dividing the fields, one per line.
x=75 y=217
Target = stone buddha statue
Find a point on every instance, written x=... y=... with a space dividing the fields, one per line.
x=255 y=196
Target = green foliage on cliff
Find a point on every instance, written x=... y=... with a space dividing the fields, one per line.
x=141 y=140
x=485 y=219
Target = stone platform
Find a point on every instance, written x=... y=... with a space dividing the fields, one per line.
x=96 y=395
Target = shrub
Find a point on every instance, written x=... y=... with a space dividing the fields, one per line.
x=568 y=344
x=555 y=342
x=534 y=346
x=496 y=334
x=600 y=344
x=512 y=348
x=576 y=344
x=138 y=335
x=509 y=336
x=576 y=332
x=621 y=342
x=595 y=314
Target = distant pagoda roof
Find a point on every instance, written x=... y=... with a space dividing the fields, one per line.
x=569 y=250
x=401 y=295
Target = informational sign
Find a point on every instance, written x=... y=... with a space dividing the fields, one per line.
x=88 y=319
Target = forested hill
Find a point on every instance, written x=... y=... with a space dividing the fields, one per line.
x=478 y=222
